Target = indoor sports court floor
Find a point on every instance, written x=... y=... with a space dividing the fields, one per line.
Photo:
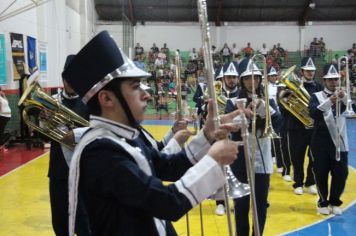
x=25 y=210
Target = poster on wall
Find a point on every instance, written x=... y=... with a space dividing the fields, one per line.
x=31 y=53
x=18 y=54
x=3 y=71
x=43 y=60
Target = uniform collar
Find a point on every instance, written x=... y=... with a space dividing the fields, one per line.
x=119 y=129
x=328 y=92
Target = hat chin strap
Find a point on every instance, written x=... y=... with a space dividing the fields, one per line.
x=126 y=108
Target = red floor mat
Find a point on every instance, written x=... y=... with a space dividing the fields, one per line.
x=16 y=156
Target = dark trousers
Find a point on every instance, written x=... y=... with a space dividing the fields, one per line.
x=277 y=151
x=242 y=205
x=299 y=139
x=58 y=190
x=286 y=159
x=3 y=122
x=325 y=163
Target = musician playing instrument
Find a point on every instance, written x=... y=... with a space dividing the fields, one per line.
x=263 y=163
x=272 y=76
x=328 y=125
x=59 y=158
x=299 y=136
x=230 y=80
x=119 y=176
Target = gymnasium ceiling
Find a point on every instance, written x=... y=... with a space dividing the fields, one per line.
x=221 y=11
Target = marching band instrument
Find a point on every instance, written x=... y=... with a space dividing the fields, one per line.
x=242 y=120
x=295 y=97
x=251 y=157
x=348 y=111
x=268 y=131
x=55 y=119
x=204 y=26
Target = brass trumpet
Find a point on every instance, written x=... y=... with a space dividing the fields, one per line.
x=54 y=118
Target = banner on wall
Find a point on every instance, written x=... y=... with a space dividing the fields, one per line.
x=3 y=72
x=43 y=60
x=18 y=54
x=31 y=53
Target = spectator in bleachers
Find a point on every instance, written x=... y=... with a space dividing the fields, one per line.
x=160 y=62
x=264 y=50
x=138 y=60
x=193 y=55
x=138 y=49
x=154 y=48
x=353 y=49
x=281 y=50
x=235 y=50
x=322 y=46
x=216 y=57
x=165 y=50
x=226 y=53
x=314 y=49
x=248 y=50
x=238 y=58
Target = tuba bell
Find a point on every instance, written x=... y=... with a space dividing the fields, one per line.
x=55 y=120
x=295 y=97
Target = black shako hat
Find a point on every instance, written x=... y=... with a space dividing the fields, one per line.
x=96 y=64
x=330 y=71
x=246 y=66
x=68 y=60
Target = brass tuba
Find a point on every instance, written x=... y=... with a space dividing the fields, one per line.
x=55 y=120
x=295 y=98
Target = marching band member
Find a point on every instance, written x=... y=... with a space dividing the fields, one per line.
x=119 y=176
x=230 y=80
x=272 y=77
x=229 y=77
x=263 y=163
x=324 y=142
x=298 y=135
x=58 y=171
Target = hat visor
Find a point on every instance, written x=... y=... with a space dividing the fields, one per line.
x=247 y=73
x=231 y=74
x=308 y=68
x=331 y=76
x=272 y=74
x=134 y=72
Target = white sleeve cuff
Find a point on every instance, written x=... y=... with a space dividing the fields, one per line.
x=172 y=147
x=197 y=147
x=201 y=180
x=325 y=105
x=78 y=133
x=169 y=135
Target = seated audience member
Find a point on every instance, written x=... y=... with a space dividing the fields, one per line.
x=314 y=48
x=235 y=50
x=154 y=48
x=193 y=55
x=264 y=50
x=248 y=50
x=226 y=53
x=138 y=50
